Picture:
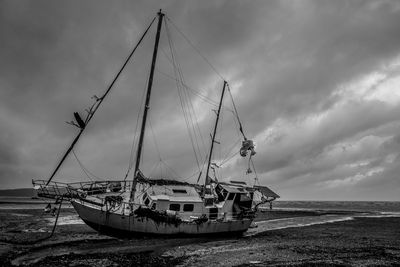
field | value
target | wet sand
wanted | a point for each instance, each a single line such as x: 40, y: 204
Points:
x: 360, y: 241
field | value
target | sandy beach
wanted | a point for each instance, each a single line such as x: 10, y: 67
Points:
x: 329, y: 238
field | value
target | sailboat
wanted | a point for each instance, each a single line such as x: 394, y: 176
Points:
x: 160, y: 206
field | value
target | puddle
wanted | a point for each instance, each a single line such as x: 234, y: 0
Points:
x: 65, y: 220
x: 263, y: 226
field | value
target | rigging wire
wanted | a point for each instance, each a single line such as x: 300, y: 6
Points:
x: 193, y: 91
x: 208, y: 62
x: 202, y: 168
x: 237, y: 126
x: 228, y: 159
x: 192, y: 110
x: 219, y: 133
x: 236, y: 121
x: 84, y: 169
x: 214, y: 104
x: 228, y: 155
x: 214, y: 69
x: 134, y: 140
x: 155, y: 140
x: 187, y: 106
x: 96, y: 105
x: 159, y: 154
x: 236, y: 113
x: 188, y: 102
x: 172, y: 170
x: 155, y: 166
x: 255, y: 172
x: 187, y: 113
x: 242, y: 132
x: 195, y: 48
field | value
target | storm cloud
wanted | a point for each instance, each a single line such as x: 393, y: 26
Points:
x: 316, y: 84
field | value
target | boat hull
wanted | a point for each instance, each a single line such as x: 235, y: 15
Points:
x: 129, y: 225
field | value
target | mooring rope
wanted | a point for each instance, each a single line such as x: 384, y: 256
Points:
x: 52, y: 231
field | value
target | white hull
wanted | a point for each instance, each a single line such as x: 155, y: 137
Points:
x: 117, y: 223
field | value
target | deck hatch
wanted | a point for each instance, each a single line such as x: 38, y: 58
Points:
x: 179, y: 191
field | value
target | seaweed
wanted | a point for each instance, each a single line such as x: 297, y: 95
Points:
x: 202, y: 219
x: 157, y: 216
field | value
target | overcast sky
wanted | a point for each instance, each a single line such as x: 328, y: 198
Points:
x: 316, y: 84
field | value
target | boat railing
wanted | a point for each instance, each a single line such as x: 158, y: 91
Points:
x: 53, y: 190
x: 56, y: 190
x: 106, y: 195
x: 100, y: 187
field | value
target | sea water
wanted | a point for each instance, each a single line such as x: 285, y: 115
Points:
x: 350, y: 209
x: 358, y: 206
x: 26, y: 203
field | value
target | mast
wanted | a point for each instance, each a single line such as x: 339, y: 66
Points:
x: 207, y: 180
x: 146, y: 106
x: 82, y: 125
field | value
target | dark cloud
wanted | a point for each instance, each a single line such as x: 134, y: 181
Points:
x: 321, y: 46
x: 314, y: 83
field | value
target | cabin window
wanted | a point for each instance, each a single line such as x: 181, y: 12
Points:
x: 147, y: 201
x: 179, y: 191
x: 144, y: 196
x: 188, y: 207
x: 175, y: 207
x: 231, y: 196
x: 153, y: 206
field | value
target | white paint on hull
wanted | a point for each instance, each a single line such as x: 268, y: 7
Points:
x: 131, y: 223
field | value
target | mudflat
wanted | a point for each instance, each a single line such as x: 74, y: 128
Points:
x: 362, y: 241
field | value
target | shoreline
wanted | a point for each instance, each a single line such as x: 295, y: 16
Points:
x: 77, y: 244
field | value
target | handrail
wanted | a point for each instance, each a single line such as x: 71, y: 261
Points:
x: 68, y: 190
x: 87, y: 192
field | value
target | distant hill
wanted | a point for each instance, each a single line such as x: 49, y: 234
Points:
x: 20, y: 192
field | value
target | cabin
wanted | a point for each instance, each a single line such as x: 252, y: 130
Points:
x: 228, y: 201
x: 182, y: 200
x: 233, y: 200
